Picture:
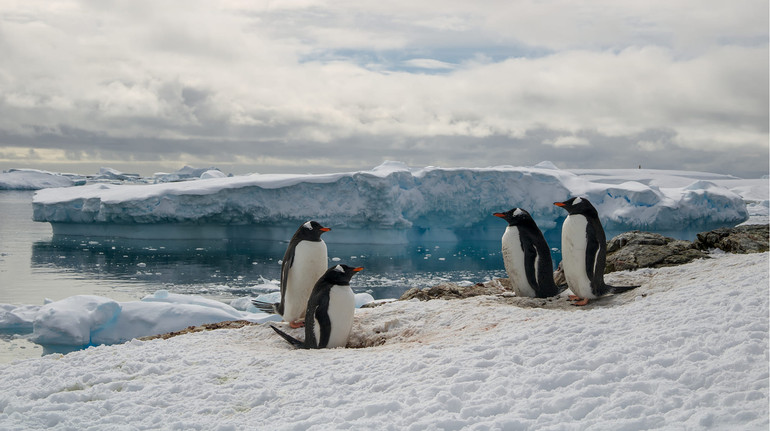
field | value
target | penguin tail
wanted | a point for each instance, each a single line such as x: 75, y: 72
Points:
x: 266, y: 307
x: 293, y: 341
x: 620, y: 289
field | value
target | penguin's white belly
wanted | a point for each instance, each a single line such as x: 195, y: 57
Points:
x: 310, y: 261
x: 342, y: 306
x: 573, y: 252
x: 513, y: 258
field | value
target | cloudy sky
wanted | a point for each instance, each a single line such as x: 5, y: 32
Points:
x: 319, y: 86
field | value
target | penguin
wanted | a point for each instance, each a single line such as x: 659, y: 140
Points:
x: 526, y: 256
x: 303, y: 264
x: 330, y: 309
x: 584, y: 252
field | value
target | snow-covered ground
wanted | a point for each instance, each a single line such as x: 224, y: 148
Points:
x: 686, y: 350
x: 393, y: 203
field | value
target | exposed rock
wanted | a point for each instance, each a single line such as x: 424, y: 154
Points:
x: 740, y: 239
x: 558, y: 276
x: 229, y: 324
x: 455, y: 291
x: 635, y: 249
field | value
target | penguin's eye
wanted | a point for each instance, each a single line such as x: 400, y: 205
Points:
x: 308, y: 226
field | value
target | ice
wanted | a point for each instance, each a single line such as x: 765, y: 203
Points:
x: 86, y: 320
x: 393, y: 203
x: 687, y: 349
x: 188, y: 173
x: 32, y: 179
x: 114, y: 174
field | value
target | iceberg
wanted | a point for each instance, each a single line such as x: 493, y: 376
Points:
x: 33, y: 179
x: 188, y: 173
x: 391, y: 203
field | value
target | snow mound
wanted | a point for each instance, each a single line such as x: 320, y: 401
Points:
x: 86, y: 320
x: 686, y: 350
x: 390, y: 203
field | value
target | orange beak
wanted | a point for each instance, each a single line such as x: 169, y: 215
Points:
x: 325, y: 229
x: 559, y: 204
x: 501, y: 215
x: 360, y: 268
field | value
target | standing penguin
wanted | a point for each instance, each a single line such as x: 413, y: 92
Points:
x: 303, y: 264
x: 584, y: 252
x: 330, y: 310
x: 526, y: 256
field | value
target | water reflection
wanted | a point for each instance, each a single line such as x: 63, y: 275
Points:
x: 233, y: 267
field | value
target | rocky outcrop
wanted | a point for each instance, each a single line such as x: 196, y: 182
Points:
x: 740, y: 239
x: 455, y: 291
x: 635, y: 249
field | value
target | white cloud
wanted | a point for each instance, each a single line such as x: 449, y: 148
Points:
x: 567, y: 141
x: 305, y: 72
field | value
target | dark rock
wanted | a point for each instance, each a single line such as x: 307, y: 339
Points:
x: 455, y: 291
x: 635, y: 249
x: 740, y: 239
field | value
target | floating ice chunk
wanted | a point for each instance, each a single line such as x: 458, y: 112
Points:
x: 363, y: 299
x: 71, y: 321
x: 213, y: 173
x: 17, y: 317
x: 31, y: 179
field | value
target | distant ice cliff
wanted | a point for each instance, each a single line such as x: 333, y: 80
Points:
x: 390, y: 203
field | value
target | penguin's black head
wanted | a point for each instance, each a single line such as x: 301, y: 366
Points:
x: 311, y: 231
x: 578, y: 205
x: 340, y: 275
x: 515, y: 217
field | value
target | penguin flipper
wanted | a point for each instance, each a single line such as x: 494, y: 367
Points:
x: 266, y: 307
x: 288, y: 261
x: 293, y: 341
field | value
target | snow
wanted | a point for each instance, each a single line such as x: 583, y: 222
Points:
x: 686, y: 350
x: 86, y: 320
x: 393, y: 203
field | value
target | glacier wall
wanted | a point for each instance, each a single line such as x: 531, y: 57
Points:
x: 391, y: 203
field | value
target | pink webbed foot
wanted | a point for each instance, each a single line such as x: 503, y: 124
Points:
x: 580, y: 302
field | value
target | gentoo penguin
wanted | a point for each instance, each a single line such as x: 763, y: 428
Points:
x: 303, y: 264
x: 526, y: 256
x: 330, y: 310
x: 584, y: 251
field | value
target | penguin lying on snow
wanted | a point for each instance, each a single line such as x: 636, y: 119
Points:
x: 303, y: 264
x: 584, y: 252
x: 330, y: 310
x: 526, y: 256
